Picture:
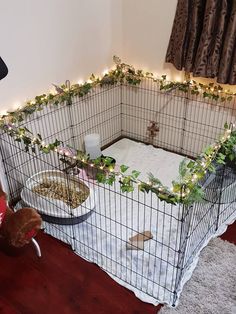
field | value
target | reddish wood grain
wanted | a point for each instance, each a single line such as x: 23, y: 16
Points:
x: 62, y: 282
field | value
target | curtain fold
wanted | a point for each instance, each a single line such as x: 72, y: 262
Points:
x: 3, y: 69
x: 203, y: 39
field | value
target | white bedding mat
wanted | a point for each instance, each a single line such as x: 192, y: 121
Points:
x: 103, y: 236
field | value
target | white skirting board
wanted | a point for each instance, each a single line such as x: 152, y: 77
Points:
x: 103, y: 236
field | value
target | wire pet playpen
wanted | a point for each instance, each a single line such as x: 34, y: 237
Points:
x: 147, y: 129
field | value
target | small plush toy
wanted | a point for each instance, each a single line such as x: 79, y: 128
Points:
x: 18, y: 228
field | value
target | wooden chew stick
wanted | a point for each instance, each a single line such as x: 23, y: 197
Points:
x: 142, y: 236
x: 135, y: 245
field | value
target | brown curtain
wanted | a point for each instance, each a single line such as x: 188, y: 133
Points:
x: 203, y: 39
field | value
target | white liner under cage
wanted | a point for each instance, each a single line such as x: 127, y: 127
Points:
x: 102, y: 238
x: 56, y: 208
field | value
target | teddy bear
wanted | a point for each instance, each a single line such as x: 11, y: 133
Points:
x: 18, y: 228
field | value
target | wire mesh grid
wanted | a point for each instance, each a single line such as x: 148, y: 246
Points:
x: 98, y: 220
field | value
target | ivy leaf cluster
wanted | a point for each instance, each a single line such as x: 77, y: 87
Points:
x: 127, y: 182
x: 185, y: 190
x: 227, y: 152
x: 211, y: 91
x: 122, y: 74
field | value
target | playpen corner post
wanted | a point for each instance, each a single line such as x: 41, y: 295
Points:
x: 4, y: 181
x: 121, y: 108
x: 219, y: 199
x: 185, y: 221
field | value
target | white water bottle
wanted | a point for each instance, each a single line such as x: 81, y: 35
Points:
x: 92, y: 145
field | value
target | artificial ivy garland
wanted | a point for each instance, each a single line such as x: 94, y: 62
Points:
x: 186, y: 190
x: 122, y: 74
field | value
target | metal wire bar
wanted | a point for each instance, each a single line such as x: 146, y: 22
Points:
x: 100, y: 227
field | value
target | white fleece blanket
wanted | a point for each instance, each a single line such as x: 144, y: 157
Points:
x: 102, y: 238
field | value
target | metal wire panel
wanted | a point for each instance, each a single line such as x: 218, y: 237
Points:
x: 98, y: 229
x: 187, y: 122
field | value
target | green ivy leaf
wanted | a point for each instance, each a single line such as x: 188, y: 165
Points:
x: 143, y: 187
x: 127, y: 188
x: 101, y: 177
x: 135, y: 174
x: 153, y: 180
x: 46, y: 150
x: 182, y: 168
x: 226, y: 126
x: 108, y: 161
x: 211, y: 168
x: 190, y: 164
x: 123, y: 168
x: 111, y: 179
x: 26, y: 140
x: 176, y: 187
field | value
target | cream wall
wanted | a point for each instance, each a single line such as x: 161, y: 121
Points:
x: 146, y: 31
x: 49, y: 41
x: 147, y: 26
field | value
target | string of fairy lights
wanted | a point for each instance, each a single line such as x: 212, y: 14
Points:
x: 122, y: 73
x: 11, y: 123
x: 204, y: 160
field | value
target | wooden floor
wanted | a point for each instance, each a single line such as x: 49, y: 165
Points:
x: 61, y: 282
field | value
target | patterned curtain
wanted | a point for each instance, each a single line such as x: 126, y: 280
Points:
x: 3, y: 69
x: 203, y: 39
